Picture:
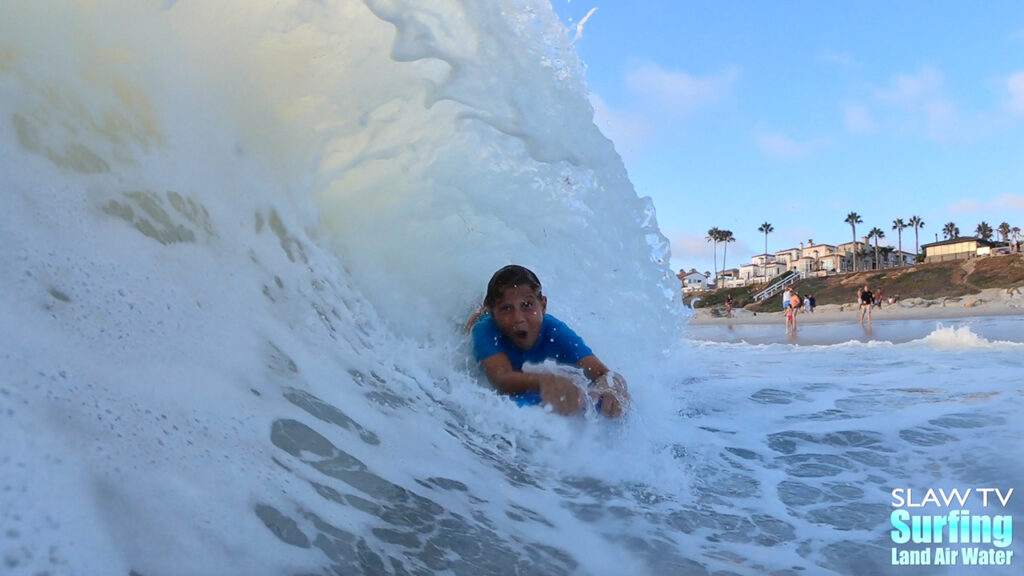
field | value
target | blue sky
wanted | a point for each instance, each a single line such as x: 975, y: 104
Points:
x: 797, y: 113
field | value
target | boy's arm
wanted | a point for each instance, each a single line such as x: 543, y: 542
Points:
x: 558, y: 392
x: 508, y: 380
x: 592, y: 367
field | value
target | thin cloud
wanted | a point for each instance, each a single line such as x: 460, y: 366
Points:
x: 917, y: 103
x: 859, y: 120
x: 1010, y: 202
x: 631, y: 133
x: 1015, y: 88
x: 912, y: 90
x: 843, y: 60
x: 967, y: 206
x: 941, y: 120
x: 1000, y: 205
x: 779, y: 145
x: 694, y: 251
x: 680, y: 91
x: 691, y: 250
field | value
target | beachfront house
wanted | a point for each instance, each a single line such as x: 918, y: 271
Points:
x: 888, y: 257
x: 805, y: 265
x: 730, y: 278
x: 693, y: 281
x: 817, y: 259
x: 807, y: 259
x: 893, y: 258
x: 817, y: 251
x: 990, y: 250
x: 762, y: 268
x: 812, y: 259
x: 834, y: 263
x: 861, y: 248
x: 956, y: 249
x: 787, y: 258
x: 751, y: 273
x: 897, y: 258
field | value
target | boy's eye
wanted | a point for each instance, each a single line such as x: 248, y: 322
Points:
x: 527, y: 303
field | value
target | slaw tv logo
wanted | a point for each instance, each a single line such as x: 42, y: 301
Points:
x: 974, y: 529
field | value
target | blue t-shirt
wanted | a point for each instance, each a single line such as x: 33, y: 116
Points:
x: 556, y: 342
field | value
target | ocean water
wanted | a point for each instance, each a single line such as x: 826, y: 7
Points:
x: 240, y: 241
x: 888, y: 330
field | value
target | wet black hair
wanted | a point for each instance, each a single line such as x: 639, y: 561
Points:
x: 508, y: 277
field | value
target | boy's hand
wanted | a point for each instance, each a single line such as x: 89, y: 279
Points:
x: 561, y: 394
x: 610, y: 390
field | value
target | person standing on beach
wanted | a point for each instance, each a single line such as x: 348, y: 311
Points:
x: 786, y: 296
x: 728, y: 306
x: 791, y: 310
x: 867, y: 300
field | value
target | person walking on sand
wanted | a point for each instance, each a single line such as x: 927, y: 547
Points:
x: 728, y: 306
x: 791, y: 310
x: 867, y: 300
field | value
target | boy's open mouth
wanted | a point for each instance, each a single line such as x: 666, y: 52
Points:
x: 521, y: 334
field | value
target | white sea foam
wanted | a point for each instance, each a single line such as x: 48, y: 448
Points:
x: 240, y: 240
x: 962, y: 337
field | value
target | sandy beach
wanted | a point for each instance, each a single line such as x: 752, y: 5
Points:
x: 995, y: 314
x: 992, y: 302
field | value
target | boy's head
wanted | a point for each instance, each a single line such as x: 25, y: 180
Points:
x: 510, y: 276
x: 515, y: 302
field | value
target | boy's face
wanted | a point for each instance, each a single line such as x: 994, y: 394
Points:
x: 519, y: 314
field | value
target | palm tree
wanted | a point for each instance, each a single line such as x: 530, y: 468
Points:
x: 725, y: 237
x: 876, y: 233
x: 1004, y: 231
x: 898, y: 225
x: 950, y: 230
x: 713, y: 235
x: 983, y: 231
x: 853, y: 219
x: 766, y: 228
x: 916, y: 223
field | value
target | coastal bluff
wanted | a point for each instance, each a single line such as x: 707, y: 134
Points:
x: 952, y: 281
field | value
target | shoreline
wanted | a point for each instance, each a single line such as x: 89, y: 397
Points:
x: 991, y: 302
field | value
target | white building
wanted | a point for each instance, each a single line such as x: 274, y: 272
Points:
x: 693, y: 281
x: 762, y: 268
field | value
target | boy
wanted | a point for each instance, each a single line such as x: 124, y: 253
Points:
x: 512, y: 328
